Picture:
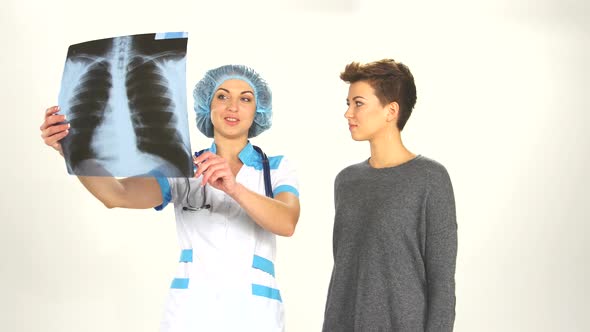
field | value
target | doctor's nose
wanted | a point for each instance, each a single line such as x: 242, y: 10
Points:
x: 232, y: 105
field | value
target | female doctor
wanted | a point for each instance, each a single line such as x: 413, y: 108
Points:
x: 226, y: 224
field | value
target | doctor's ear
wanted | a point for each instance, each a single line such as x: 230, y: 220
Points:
x: 392, y: 111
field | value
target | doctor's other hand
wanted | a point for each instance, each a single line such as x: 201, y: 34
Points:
x: 53, y: 129
x: 216, y: 171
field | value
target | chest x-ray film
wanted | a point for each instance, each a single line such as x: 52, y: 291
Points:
x: 125, y: 100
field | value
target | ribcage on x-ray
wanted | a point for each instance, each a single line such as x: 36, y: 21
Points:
x: 87, y: 110
x: 125, y: 99
x: 152, y: 112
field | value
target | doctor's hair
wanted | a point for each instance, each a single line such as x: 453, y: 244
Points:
x: 392, y: 82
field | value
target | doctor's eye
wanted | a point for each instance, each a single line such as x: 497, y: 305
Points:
x: 222, y: 96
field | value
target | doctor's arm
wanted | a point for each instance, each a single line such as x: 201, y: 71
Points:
x: 134, y: 193
x: 278, y: 215
x: 131, y: 193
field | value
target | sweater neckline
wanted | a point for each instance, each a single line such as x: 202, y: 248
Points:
x: 402, y: 165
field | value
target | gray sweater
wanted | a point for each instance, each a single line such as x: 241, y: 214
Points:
x: 395, y: 247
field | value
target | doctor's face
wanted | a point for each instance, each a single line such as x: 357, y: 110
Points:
x: 367, y: 117
x: 233, y: 108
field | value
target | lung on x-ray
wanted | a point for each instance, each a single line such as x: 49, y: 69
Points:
x: 125, y: 100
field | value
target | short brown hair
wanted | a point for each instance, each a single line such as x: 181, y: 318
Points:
x: 392, y: 82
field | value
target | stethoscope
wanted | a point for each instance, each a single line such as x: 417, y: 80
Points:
x: 207, y: 206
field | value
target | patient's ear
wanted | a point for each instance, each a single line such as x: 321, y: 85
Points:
x: 392, y: 111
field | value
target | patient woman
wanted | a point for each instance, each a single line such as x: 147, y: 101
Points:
x: 395, y: 234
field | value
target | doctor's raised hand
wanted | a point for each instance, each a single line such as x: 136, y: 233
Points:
x: 53, y: 128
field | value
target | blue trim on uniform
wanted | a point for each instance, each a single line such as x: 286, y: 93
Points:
x: 264, y: 264
x: 250, y: 157
x: 285, y: 188
x: 179, y: 283
x: 265, y: 291
x: 164, y: 189
x: 275, y: 161
x: 213, y: 148
x: 186, y: 256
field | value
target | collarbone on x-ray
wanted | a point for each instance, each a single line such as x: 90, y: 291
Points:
x: 125, y: 99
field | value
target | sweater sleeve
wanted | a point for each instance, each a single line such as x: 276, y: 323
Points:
x: 441, y: 252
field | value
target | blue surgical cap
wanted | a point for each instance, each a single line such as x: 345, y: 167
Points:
x: 206, y: 87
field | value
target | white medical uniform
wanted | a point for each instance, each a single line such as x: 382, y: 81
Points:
x: 225, y: 278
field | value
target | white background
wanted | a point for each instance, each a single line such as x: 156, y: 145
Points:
x: 501, y: 103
